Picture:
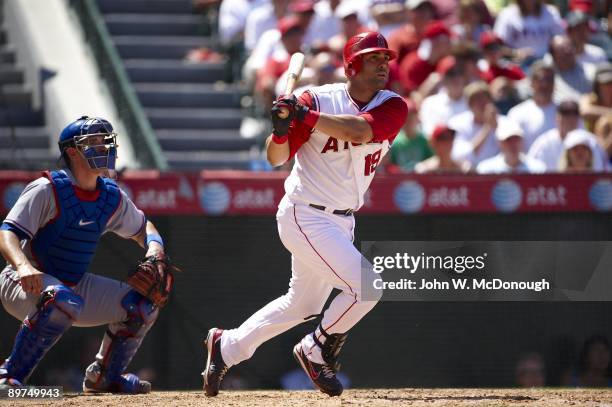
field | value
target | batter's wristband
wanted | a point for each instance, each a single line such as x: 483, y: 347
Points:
x: 280, y: 139
x: 311, y: 118
x: 154, y: 238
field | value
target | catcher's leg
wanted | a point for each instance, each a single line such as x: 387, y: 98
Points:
x: 57, y: 309
x: 129, y: 316
x: 119, y: 345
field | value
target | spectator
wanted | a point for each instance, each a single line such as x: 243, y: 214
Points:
x: 325, y: 24
x: 505, y: 95
x: 511, y: 158
x: 262, y: 19
x: 603, y: 132
x: 232, y: 19
x: 471, y: 21
x: 468, y: 56
x: 577, y: 153
x: 493, y: 64
x: 601, y: 28
x: 410, y: 146
x: 495, y: 6
x: 527, y: 27
x: 571, y: 81
x: 599, y: 102
x: 475, y: 139
x: 348, y: 12
x: 320, y: 70
x: 270, y: 45
x: 304, y: 10
x: 578, y: 31
x: 406, y: 39
x: 419, y: 64
x: 389, y: 15
x: 537, y: 114
x: 549, y: 146
x: 449, y: 101
x: 442, y: 139
x: 530, y: 371
x: 292, y: 35
x: 594, y: 363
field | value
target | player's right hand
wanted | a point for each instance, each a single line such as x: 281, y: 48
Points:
x: 30, y: 278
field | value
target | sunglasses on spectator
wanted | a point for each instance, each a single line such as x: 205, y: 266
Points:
x: 448, y: 136
x: 569, y: 112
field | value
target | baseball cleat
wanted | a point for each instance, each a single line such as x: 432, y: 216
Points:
x: 7, y: 382
x: 323, y: 376
x: 128, y: 383
x: 215, y: 366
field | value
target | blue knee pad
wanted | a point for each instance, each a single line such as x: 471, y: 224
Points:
x: 57, y: 309
x: 122, y: 342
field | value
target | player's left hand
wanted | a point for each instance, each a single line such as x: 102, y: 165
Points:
x: 154, y: 278
x: 281, y: 125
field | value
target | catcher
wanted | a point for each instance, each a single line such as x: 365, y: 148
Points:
x: 48, y: 240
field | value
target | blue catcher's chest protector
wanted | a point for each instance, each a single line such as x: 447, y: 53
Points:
x: 65, y: 246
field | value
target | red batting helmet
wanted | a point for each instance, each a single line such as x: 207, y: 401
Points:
x: 362, y: 44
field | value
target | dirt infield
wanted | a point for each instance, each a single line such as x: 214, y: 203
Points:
x: 370, y: 398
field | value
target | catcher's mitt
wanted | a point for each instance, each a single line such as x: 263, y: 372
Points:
x: 153, y: 278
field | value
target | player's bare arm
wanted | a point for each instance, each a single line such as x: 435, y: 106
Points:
x: 10, y: 247
x: 276, y: 153
x: 150, y: 238
x: 345, y: 127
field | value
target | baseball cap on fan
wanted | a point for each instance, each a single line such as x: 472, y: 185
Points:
x: 289, y: 24
x: 585, y: 6
x: 435, y: 29
x: 442, y: 131
x: 302, y: 6
x: 507, y: 129
x: 489, y: 39
x: 577, y: 137
x: 603, y: 74
x: 347, y: 8
x: 412, y: 4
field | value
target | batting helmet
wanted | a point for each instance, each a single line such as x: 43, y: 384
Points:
x: 94, y: 138
x: 362, y: 44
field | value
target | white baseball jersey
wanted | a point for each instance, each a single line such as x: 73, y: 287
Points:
x: 334, y: 174
x: 331, y: 172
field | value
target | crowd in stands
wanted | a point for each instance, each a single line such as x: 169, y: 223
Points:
x: 493, y: 86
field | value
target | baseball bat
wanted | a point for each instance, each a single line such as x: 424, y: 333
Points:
x: 296, y: 65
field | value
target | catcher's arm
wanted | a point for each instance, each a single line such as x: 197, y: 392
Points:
x: 148, y: 238
x: 153, y: 276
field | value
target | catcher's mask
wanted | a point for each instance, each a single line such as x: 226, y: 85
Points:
x: 94, y: 138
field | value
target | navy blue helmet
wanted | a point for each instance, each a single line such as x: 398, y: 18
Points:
x: 94, y: 138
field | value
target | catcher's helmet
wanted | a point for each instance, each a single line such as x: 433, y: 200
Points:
x: 361, y: 44
x: 94, y: 138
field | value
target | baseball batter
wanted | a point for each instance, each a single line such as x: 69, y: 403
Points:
x: 49, y: 238
x: 338, y: 134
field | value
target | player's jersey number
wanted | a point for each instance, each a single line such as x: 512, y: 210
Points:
x: 371, y: 162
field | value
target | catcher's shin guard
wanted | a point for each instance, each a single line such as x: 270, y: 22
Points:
x: 120, y: 344
x: 57, y: 309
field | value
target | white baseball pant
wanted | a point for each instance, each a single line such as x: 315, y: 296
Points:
x: 322, y: 257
